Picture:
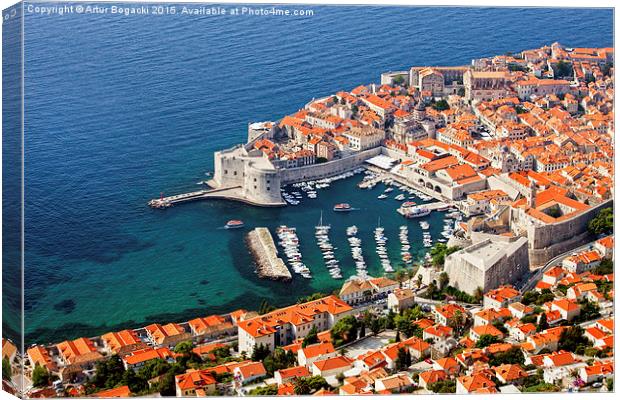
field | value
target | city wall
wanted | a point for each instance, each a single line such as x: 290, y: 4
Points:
x: 548, y: 241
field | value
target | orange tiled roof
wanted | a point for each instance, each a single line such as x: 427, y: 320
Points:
x: 296, y: 315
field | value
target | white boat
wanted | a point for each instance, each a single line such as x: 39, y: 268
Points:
x: 400, y: 197
x: 382, y: 196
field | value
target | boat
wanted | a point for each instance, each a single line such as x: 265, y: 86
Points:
x: 409, y: 204
x: 234, y: 224
x: 417, y: 212
x: 382, y: 196
x: 424, y: 225
x: 400, y: 197
x: 342, y: 207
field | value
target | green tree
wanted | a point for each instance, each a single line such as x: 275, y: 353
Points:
x: 184, y: 348
x: 486, y: 340
x: 403, y: 359
x: 40, y: 376
x: 344, y: 331
x: 441, y: 105
x: 6, y: 369
x: 397, y: 338
x: 457, y: 322
x: 571, y: 338
x: 309, y: 385
x: 269, y: 390
x: 260, y: 352
x: 444, y: 279
x: 542, y: 323
x: 478, y: 294
x: 135, y: 383
x: 340, y: 377
x: 445, y: 386
x: 398, y: 80
x: 311, y: 338
x: 279, y: 359
x: 610, y: 384
x: 362, y: 330
x: 603, y: 223
x: 563, y: 69
x: 375, y: 326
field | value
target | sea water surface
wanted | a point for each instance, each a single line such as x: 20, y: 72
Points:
x: 121, y: 108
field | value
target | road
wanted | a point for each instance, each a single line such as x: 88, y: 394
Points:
x: 551, y: 263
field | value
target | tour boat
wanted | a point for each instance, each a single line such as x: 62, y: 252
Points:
x: 342, y: 207
x: 417, y: 212
x: 234, y: 223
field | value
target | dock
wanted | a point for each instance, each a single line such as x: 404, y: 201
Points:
x: 265, y: 254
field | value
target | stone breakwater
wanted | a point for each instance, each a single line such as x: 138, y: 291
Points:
x: 265, y: 254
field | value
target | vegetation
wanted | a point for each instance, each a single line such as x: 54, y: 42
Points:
x: 269, y: 390
x: 512, y: 356
x: 589, y: 311
x: 398, y: 80
x: 260, y: 352
x: 40, y: 376
x: 443, y: 387
x: 542, y: 387
x: 279, y: 359
x: 543, y: 324
x: 265, y: 307
x: 309, y: 385
x: 603, y: 223
x: 606, y: 267
x: 404, y: 322
x: 486, y: 340
x: 531, y: 297
x: 344, y: 331
x: 6, y: 369
x: 441, y: 105
x: 403, y: 360
x: 572, y: 338
x: 311, y: 338
x: 563, y: 69
x: 440, y: 251
x: 311, y: 297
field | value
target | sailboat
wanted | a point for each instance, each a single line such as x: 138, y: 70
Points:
x: 320, y: 225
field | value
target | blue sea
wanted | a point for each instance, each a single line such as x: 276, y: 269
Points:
x: 119, y: 108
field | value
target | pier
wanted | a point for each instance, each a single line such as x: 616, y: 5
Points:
x: 265, y: 253
x: 227, y: 193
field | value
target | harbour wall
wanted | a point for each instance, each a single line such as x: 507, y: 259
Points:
x: 325, y: 170
x: 265, y: 254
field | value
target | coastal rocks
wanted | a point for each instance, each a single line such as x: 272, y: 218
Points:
x: 265, y: 254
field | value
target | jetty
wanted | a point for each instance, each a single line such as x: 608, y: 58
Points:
x: 265, y: 254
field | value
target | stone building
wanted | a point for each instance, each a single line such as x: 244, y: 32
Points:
x: 485, y: 85
x: 488, y: 264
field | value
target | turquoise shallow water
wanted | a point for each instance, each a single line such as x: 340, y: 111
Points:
x: 120, y: 109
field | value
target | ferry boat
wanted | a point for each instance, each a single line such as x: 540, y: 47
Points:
x: 234, y: 224
x: 342, y: 207
x: 417, y: 212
